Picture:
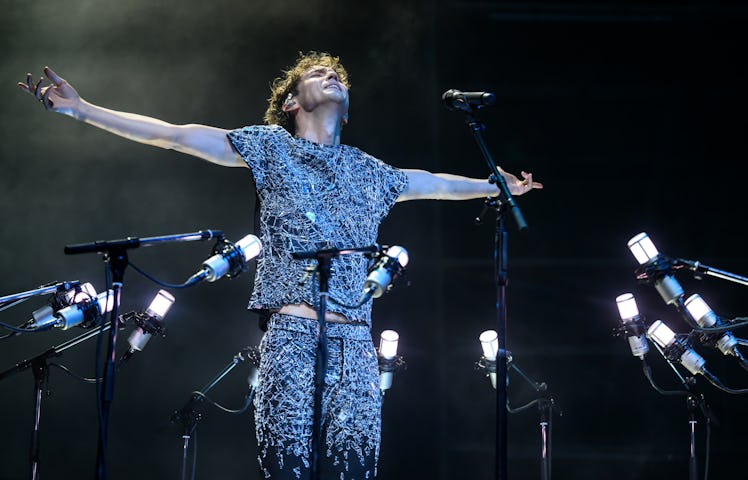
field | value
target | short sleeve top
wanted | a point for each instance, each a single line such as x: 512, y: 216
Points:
x: 313, y: 197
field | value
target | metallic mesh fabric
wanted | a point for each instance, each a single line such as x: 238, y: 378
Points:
x: 314, y: 197
x: 351, y: 402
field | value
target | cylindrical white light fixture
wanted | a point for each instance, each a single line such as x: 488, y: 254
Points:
x: 156, y: 311
x: 398, y: 253
x: 85, y: 292
x: 627, y: 306
x: 700, y: 311
x: 661, y: 333
x: 388, y: 344
x: 643, y: 248
x: 633, y: 325
x: 77, y: 313
x: 105, y: 301
x: 221, y: 263
x: 665, y: 338
x: 160, y: 304
x: 251, y: 246
x: 388, y: 341
x: 645, y: 251
x: 489, y: 342
x: 46, y: 316
x: 703, y: 315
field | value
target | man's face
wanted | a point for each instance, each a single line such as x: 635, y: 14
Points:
x: 321, y: 85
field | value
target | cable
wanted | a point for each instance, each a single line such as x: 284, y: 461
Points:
x: 715, y: 381
x: 722, y: 328
x: 247, y: 403
x: 648, y: 374
x: 740, y: 357
x: 73, y: 374
x: 192, y: 281
x: 13, y: 304
x: 523, y: 407
x: 18, y: 330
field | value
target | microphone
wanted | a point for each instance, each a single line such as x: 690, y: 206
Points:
x: 386, y: 271
x: 632, y: 325
x: 457, y: 100
x: 229, y: 259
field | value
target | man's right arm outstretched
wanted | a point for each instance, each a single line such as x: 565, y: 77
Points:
x: 202, y: 141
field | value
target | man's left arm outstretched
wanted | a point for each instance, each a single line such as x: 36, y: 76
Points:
x: 423, y: 185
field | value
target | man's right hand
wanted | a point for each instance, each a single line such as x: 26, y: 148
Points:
x: 58, y: 97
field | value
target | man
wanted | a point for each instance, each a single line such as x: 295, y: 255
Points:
x: 314, y: 193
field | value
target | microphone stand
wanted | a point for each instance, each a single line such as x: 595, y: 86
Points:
x: 40, y: 369
x: 505, y: 201
x: 324, y: 263
x: 115, y: 257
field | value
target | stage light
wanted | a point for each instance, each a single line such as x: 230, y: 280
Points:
x: 702, y: 314
x: 45, y: 317
x: 643, y: 248
x: 656, y: 268
x: 384, y: 273
x: 388, y: 358
x: 151, y: 321
x: 86, y: 313
x: 229, y: 259
x: 632, y: 324
x: 676, y: 349
x: 489, y: 341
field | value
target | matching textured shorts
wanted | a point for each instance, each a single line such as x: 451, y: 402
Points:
x: 284, y: 401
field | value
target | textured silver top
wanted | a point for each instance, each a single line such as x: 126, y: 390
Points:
x: 314, y: 197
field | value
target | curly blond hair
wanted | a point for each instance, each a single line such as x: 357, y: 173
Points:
x: 285, y: 84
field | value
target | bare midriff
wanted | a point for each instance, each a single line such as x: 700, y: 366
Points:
x: 305, y: 310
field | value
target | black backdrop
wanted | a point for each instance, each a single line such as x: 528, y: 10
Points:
x: 631, y: 114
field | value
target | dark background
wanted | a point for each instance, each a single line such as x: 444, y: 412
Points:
x: 631, y: 113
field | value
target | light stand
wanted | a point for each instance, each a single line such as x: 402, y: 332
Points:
x: 546, y: 404
x: 488, y: 363
x: 324, y: 263
x: 388, y: 359
x: 115, y: 258
x: 188, y: 416
x: 673, y: 351
x: 657, y: 270
x: 700, y: 269
x: 40, y: 369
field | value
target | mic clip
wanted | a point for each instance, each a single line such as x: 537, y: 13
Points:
x: 145, y: 322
